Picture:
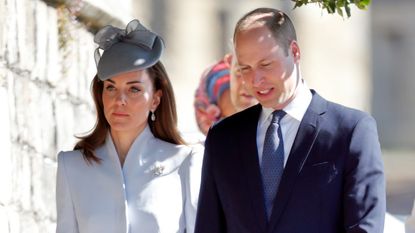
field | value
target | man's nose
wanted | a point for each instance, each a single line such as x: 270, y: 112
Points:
x: 258, y: 78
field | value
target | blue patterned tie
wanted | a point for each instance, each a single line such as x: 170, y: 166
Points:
x: 272, y: 164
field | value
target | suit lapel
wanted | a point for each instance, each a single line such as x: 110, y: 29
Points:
x: 248, y: 148
x: 304, y: 140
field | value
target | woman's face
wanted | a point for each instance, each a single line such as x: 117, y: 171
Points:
x: 240, y: 96
x: 128, y: 99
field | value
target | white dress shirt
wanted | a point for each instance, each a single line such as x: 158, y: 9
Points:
x: 155, y: 191
x: 289, y: 123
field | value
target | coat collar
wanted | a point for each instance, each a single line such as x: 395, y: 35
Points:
x: 133, y: 152
x: 251, y: 165
x: 304, y: 141
x: 306, y: 136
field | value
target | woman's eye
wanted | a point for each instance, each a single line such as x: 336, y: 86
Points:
x: 135, y: 89
x: 244, y: 69
x: 238, y: 73
x: 110, y: 88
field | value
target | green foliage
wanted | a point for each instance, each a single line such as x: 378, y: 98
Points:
x: 333, y: 6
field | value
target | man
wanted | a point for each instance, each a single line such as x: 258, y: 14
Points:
x: 295, y: 163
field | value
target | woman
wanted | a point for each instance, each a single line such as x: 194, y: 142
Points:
x: 132, y: 173
x: 240, y: 97
x: 410, y: 222
x: 221, y: 93
x: 212, y: 97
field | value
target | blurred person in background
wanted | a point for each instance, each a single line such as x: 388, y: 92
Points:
x: 220, y: 93
x: 240, y: 97
x: 212, y: 97
x: 132, y: 173
x: 410, y: 222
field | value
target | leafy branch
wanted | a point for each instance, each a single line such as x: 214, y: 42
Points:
x: 333, y: 6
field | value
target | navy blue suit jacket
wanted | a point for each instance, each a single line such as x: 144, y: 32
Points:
x: 333, y: 180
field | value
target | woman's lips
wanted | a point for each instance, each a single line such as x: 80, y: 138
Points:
x: 120, y: 114
x: 247, y: 96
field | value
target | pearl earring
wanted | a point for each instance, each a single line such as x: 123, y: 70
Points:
x: 153, y: 116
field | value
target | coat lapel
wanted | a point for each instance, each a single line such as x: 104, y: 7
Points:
x: 304, y: 140
x: 251, y: 166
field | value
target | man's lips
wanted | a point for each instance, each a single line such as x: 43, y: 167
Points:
x: 264, y: 92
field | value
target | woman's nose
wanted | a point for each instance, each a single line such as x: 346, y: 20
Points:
x: 121, y: 98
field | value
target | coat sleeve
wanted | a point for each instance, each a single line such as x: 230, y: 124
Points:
x: 210, y: 216
x: 364, y: 197
x: 66, y: 221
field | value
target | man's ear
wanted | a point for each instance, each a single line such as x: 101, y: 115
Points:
x: 295, y: 51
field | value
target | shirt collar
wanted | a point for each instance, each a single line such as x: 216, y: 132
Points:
x: 295, y: 109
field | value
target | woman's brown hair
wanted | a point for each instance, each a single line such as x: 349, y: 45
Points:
x: 164, y: 127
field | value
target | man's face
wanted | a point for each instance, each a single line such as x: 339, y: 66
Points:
x: 270, y: 74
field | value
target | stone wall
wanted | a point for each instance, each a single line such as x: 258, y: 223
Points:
x: 45, y: 72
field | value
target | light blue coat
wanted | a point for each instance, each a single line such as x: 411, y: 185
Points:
x: 155, y: 191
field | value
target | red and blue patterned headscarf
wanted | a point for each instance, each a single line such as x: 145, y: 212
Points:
x: 214, y: 82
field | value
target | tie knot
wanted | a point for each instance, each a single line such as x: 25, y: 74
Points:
x: 277, y: 115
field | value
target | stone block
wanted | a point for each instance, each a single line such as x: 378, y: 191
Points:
x: 87, y: 48
x: 47, y: 226
x: 3, y: 30
x: 4, y: 219
x: 78, y: 66
x: 13, y: 216
x: 65, y: 124
x: 28, y: 123
x: 45, y: 112
x: 71, y: 121
x: 87, y: 67
x: 21, y: 33
x: 26, y: 34
x: 41, y: 41
x: 85, y: 117
x: 35, y: 124
x: 28, y: 223
x: 53, y: 59
x: 9, y: 83
x: 5, y: 145
x: 21, y: 177
x: 10, y: 29
x: 70, y: 75
x: 43, y: 187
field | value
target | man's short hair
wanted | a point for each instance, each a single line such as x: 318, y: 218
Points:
x: 279, y: 24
